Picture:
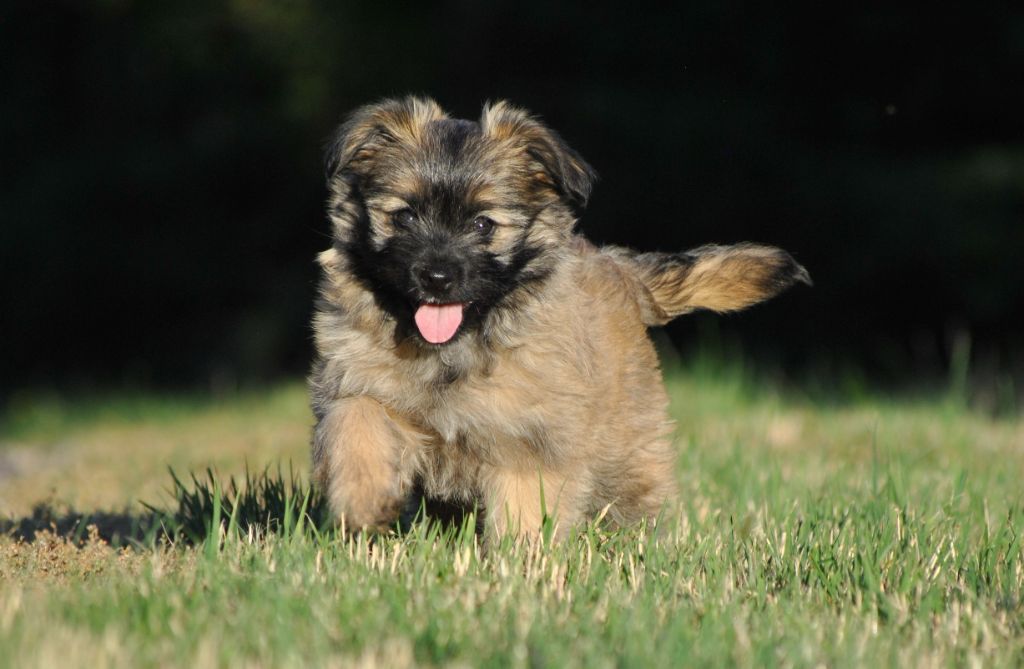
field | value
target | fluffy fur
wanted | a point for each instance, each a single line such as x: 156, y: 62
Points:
x: 548, y: 399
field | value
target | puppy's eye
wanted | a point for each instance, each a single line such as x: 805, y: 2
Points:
x: 483, y: 225
x: 404, y: 218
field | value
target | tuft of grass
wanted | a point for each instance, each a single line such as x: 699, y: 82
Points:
x: 262, y: 504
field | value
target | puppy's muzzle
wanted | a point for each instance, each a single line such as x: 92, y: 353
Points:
x: 437, y: 278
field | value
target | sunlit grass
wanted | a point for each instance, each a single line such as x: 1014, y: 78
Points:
x: 812, y: 532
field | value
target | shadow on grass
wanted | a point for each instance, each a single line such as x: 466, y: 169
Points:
x: 117, y: 529
x: 259, y: 505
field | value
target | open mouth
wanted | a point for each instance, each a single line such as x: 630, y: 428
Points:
x: 438, y: 323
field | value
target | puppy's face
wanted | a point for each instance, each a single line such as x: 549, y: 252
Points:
x: 444, y: 219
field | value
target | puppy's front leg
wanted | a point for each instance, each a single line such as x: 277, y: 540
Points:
x: 362, y: 461
x: 517, y: 501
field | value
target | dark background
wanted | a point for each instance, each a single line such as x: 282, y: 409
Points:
x: 162, y: 195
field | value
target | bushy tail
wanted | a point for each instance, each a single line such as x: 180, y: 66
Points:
x: 719, y: 278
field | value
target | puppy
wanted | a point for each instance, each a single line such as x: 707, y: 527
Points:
x: 471, y: 346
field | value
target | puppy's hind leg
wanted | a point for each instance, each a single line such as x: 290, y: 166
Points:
x: 517, y: 502
x: 363, y: 462
x: 644, y: 487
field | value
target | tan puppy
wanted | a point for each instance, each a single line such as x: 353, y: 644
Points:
x: 471, y: 346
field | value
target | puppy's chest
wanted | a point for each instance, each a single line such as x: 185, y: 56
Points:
x: 466, y: 403
x: 472, y: 411
x: 481, y: 411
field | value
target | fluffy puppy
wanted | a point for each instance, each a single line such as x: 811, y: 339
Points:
x: 471, y: 346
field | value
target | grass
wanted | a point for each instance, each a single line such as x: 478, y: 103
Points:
x: 813, y: 532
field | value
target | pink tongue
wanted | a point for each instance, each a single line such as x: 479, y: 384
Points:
x: 438, y: 322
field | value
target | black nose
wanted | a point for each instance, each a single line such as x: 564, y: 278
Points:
x: 435, y: 279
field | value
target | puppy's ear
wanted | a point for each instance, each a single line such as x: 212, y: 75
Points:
x: 554, y: 164
x: 370, y: 128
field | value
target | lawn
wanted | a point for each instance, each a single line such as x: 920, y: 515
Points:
x: 814, y: 530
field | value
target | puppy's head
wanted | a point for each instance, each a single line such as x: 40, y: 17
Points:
x: 444, y: 219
